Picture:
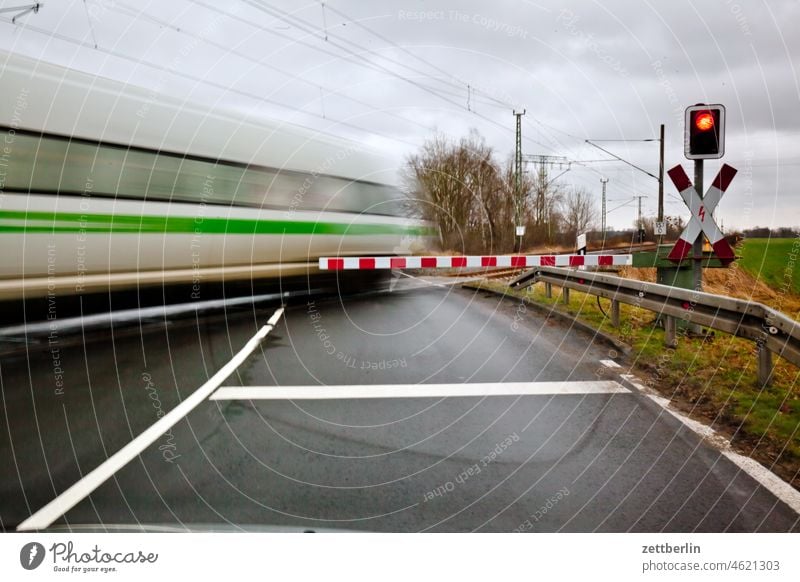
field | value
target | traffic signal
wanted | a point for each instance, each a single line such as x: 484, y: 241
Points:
x: 705, y: 132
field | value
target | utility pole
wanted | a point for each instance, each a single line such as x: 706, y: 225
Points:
x: 661, y: 175
x: 519, y: 228
x: 697, y: 247
x: 542, y: 162
x: 639, y: 224
x: 639, y: 221
x: 604, y: 181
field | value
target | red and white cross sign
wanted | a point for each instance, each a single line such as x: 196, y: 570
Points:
x: 701, y: 209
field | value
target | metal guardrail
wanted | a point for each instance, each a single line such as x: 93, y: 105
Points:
x: 772, y: 331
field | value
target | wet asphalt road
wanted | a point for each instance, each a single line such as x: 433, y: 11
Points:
x: 586, y: 462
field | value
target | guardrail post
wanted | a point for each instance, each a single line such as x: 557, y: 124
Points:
x: 615, y: 313
x: 565, y: 294
x: 548, y: 290
x: 764, y: 365
x: 669, y: 332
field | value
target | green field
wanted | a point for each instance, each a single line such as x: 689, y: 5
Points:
x: 774, y: 261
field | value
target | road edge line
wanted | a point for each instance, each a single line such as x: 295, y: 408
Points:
x: 76, y: 493
x: 762, y: 475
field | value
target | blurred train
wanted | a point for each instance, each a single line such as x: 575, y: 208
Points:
x: 106, y: 186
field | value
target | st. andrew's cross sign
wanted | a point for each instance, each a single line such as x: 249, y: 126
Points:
x: 701, y: 209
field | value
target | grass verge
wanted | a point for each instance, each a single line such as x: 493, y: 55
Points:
x: 771, y: 261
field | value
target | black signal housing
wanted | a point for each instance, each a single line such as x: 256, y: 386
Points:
x: 704, y: 132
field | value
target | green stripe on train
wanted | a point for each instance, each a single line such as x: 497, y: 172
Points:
x: 66, y: 222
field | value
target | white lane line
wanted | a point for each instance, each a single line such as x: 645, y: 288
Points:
x: 123, y: 316
x: 610, y: 364
x: 72, y: 496
x: 766, y: 478
x: 416, y: 390
x: 769, y: 480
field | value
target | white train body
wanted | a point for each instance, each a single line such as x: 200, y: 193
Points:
x: 105, y: 186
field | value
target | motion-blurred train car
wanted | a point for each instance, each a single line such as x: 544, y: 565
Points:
x: 105, y: 186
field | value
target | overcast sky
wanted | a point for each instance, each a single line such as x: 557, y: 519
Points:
x: 401, y: 70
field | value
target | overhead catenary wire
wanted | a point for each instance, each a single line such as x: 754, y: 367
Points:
x: 306, y: 27
x: 590, y: 142
x: 471, y: 91
x: 359, y: 59
x: 551, y: 128
x: 354, y: 57
x: 415, y: 56
x: 123, y: 8
x: 301, y: 42
x: 224, y: 88
x: 585, y: 163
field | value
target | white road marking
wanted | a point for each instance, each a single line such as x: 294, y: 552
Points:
x: 769, y: 480
x: 610, y: 364
x: 157, y: 313
x: 766, y: 478
x: 649, y: 392
x: 660, y: 400
x: 80, y: 490
x: 705, y: 431
x: 416, y: 390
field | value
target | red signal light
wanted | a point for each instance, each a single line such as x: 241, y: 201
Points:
x: 704, y: 131
x: 704, y: 121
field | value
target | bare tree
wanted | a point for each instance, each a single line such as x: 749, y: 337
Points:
x: 460, y: 188
x: 436, y: 176
x: 484, y: 183
x: 512, y: 205
x: 544, y: 200
x: 579, y: 212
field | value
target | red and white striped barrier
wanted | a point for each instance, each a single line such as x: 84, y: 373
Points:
x: 521, y: 261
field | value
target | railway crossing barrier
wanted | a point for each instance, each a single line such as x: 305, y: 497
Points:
x: 476, y: 261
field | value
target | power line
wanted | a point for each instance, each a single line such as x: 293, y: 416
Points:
x: 584, y: 163
x: 552, y: 128
x: 621, y: 206
x: 354, y: 57
x: 362, y: 63
x: 628, y: 140
x: 306, y: 27
x: 132, y: 12
x: 417, y: 57
x: 621, y: 159
x: 219, y: 86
